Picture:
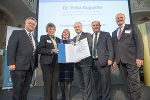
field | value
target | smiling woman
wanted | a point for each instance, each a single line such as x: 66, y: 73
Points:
x: 48, y: 61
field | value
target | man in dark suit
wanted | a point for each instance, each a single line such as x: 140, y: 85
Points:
x: 129, y: 52
x: 84, y: 66
x: 22, y: 59
x: 48, y: 61
x: 102, y: 54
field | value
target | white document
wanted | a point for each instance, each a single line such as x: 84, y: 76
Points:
x: 82, y: 49
x: 69, y: 53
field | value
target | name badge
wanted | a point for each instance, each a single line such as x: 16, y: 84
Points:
x: 128, y: 31
x: 49, y: 41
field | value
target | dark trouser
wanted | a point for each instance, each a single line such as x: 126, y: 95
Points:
x: 50, y: 78
x: 130, y: 74
x: 84, y: 79
x: 21, y: 83
x: 102, y: 81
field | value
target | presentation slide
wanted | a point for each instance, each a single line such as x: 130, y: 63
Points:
x: 64, y: 13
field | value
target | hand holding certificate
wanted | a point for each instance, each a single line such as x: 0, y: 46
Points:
x: 69, y: 53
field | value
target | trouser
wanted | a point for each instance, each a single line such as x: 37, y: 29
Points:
x: 21, y: 83
x: 50, y: 78
x: 130, y: 74
x: 102, y: 80
x: 84, y: 79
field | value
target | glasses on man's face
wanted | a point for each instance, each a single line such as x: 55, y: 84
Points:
x: 30, y: 23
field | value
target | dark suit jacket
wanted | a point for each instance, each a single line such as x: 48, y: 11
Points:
x: 87, y: 61
x: 104, y: 48
x: 45, y: 47
x: 129, y: 47
x: 19, y: 51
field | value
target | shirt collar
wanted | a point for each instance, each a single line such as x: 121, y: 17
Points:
x: 52, y: 37
x: 97, y: 33
x: 122, y: 26
x: 80, y: 34
x: 27, y: 31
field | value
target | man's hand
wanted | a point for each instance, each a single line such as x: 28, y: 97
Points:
x: 72, y: 42
x: 139, y: 62
x: 109, y: 62
x: 54, y: 50
x: 77, y: 61
x: 114, y: 64
x: 12, y: 67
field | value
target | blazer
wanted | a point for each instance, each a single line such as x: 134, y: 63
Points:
x: 87, y: 61
x: 45, y: 47
x: 104, y: 48
x: 19, y: 51
x: 129, y: 47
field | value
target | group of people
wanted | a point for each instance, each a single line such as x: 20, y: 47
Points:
x: 123, y: 49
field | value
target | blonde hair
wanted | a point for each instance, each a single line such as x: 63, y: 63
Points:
x: 65, y: 30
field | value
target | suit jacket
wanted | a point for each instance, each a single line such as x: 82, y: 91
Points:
x: 104, y: 48
x: 45, y: 47
x: 19, y: 51
x: 87, y: 61
x: 129, y: 47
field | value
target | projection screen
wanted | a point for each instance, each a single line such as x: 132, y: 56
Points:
x: 64, y: 13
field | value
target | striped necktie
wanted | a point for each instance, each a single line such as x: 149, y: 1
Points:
x: 30, y: 37
x: 95, y: 45
x: 78, y: 37
x: 120, y: 33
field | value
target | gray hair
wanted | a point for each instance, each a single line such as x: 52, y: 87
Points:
x: 32, y: 18
x: 50, y: 25
x: 96, y: 21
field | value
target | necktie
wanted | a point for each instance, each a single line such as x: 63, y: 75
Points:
x: 78, y: 37
x: 95, y: 45
x: 30, y: 37
x: 120, y: 33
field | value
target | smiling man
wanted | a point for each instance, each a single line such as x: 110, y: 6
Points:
x: 102, y: 54
x: 128, y: 55
x: 84, y: 66
x: 22, y: 59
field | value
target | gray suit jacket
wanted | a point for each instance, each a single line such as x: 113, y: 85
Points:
x: 129, y: 47
x: 19, y: 51
x: 87, y: 61
x: 104, y: 48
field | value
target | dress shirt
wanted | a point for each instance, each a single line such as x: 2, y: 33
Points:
x: 122, y: 27
x: 78, y: 37
x: 33, y: 41
x: 93, y: 43
x: 54, y: 41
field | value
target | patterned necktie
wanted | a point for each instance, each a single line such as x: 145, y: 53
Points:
x: 78, y: 37
x: 95, y: 45
x: 30, y: 37
x: 120, y: 33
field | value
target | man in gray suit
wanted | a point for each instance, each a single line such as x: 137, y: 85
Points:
x: 22, y: 59
x: 102, y: 53
x: 129, y: 52
x: 84, y: 66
